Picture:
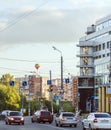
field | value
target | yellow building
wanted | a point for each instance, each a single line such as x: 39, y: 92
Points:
x: 104, y: 100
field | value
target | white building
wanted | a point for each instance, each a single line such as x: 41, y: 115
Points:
x: 94, y: 65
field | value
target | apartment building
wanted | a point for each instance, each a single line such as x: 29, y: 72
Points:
x: 95, y: 67
x: 35, y: 85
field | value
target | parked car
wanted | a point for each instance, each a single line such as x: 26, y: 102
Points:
x: 14, y: 117
x: 66, y: 118
x: 3, y: 114
x: 97, y: 120
x: 42, y: 116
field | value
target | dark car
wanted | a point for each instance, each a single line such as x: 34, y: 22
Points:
x: 42, y: 116
x: 14, y: 117
x: 3, y: 114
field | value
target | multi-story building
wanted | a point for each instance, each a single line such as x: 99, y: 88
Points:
x: 69, y: 91
x: 36, y: 86
x: 75, y: 94
x: 95, y: 66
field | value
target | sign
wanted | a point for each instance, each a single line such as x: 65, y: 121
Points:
x: 49, y: 82
x: 57, y: 102
x: 67, y: 80
x: 92, y: 97
x: 29, y: 99
x: 24, y: 83
x: 56, y: 97
x: 11, y: 83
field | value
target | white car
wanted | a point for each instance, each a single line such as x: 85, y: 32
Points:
x: 97, y: 120
x: 66, y: 118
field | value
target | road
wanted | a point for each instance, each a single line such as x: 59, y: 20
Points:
x: 35, y: 126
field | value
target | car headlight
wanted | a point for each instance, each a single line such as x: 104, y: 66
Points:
x: 10, y: 118
x: 22, y: 118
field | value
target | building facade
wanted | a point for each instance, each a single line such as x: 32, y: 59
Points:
x: 36, y: 86
x: 95, y: 66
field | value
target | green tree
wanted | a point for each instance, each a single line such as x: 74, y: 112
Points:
x: 7, y: 78
x: 67, y: 106
x: 9, y: 97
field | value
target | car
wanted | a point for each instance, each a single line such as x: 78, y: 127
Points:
x: 66, y: 118
x: 3, y: 114
x: 14, y: 117
x: 42, y: 116
x: 97, y: 120
x: 34, y: 116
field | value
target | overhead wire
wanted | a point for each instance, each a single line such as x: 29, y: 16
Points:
x: 2, y: 58
x: 22, y: 17
x: 16, y: 21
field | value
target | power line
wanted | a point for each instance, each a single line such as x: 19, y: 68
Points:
x: 27, y: 60
x: 22, y: 17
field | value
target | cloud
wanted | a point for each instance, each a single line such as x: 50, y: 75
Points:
x: 48, y: 25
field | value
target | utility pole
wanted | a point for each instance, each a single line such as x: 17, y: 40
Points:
x: 51, y: 94
x: 61, y: 90
x: 29, y: 83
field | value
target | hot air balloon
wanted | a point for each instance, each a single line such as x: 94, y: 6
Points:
x: 37, y: 66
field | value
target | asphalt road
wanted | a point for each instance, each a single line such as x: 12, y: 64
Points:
x: 36, y: 126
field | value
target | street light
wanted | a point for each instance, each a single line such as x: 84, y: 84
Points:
x: 61, y: 91
x: 61, y: 65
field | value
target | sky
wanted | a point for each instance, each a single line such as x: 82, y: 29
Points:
x: 30, y: 28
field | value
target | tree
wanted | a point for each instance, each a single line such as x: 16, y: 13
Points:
x: 9, y: 96
x: 67, y: 106
x: 5, y: 79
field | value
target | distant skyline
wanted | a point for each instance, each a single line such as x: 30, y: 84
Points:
x: 29, y: 29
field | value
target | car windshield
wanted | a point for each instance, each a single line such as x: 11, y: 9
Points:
x: 102, y: 115
x: 15, y: 114
x: 68, y: 114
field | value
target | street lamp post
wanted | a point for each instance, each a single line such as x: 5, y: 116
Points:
x: 61, y: 69
x: 61, y: 65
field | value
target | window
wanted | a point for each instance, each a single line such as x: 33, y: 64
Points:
x: 99, y: 47
x: 103, y: 55
x: 107, y: 44
x: 68, y: 114
x: 107, y: 54
x: 101, y: 115
x: 103, y: 46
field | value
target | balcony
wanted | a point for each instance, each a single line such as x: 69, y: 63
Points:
x: 85, y: 55
x: 86, y: 43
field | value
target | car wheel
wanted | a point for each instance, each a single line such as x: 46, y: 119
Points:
x: 56, y: 124
x: 75, y: 125
x: 83, y: 128
x: 6, y: 123
x: 90, y: 127
x: 60, y: 125
x: 32, y: 120
x: 50, y: 122
x: 70, y: 125
x: 38, y: 120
